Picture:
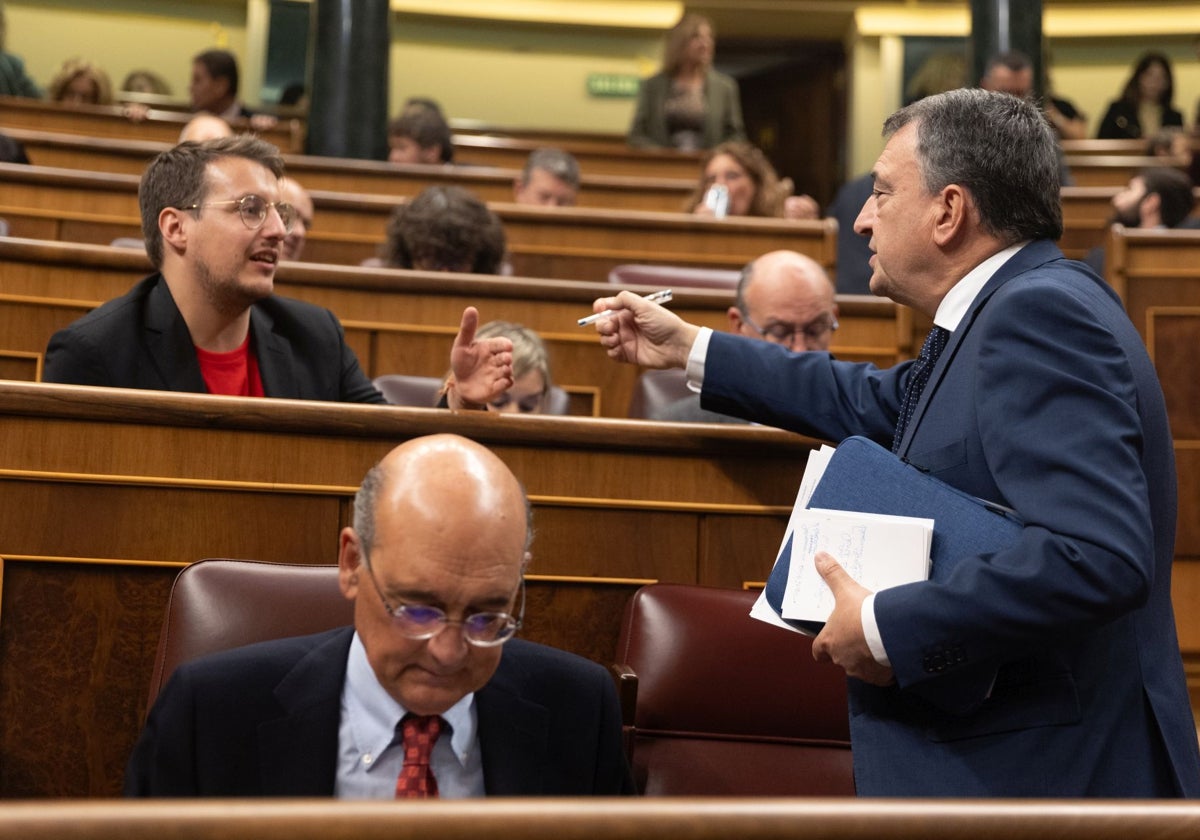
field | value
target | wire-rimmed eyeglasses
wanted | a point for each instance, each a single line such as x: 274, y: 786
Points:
x: 422, y: 621
x: 785, y: 334
x: 254, y: 208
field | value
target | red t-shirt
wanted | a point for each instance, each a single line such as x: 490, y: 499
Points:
x: 234, y: 373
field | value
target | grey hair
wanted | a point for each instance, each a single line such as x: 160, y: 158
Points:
x: 560, y: 164
x: 999, y: 148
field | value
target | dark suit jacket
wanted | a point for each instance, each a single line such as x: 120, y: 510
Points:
x: 722, y: 119
x: 263, y: 720
x: 1051, y: 668
x: 1121, y: 121
x: 140, y: 340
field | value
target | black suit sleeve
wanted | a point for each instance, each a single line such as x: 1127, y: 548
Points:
x: 72, y: 359
x: 354, y: 386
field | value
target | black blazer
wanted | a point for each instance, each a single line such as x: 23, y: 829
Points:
x: 263, y: 720
x: 1121, y: 121
x: 140, y: 340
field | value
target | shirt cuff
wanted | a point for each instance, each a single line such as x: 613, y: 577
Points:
x: 696, y: 358
x: 871, y: 631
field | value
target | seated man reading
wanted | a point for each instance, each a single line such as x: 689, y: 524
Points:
x: 428, y: 694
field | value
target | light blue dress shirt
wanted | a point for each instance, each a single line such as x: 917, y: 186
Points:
x: 371, y: 752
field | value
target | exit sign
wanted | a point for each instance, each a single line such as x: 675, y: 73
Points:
x: 613, y: 84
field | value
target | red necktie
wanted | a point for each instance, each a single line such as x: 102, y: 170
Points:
x: 420, y: 733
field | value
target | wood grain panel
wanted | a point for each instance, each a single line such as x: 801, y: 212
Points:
x: 130, y: 157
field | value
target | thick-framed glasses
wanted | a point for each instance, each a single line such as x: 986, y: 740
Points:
x: 422, y: 621
x: 785, y: 334
x: 253, y: 209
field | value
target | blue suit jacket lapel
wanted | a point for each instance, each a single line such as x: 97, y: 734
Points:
x: 1033, y: 254
x: 299, y: 750
x: 514, y: 736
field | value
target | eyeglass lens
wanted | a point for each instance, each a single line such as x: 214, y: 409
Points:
x: 420, y: 621
x: 253, y: 209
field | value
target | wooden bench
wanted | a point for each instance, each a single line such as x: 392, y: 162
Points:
x: 628, y: 818
x: 567, y: 243
x: 110, y: 121
x: 1113, y: 170
x: 399, y: 321
x: 130, y: 157
x: 597, y: 157
x: 105, y: 493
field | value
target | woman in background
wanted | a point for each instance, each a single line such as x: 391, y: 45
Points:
x: 80, y: 82
x: 531, y: 371
x: 752, y: 186
x: 1145, y: 104
x: 687, y: 105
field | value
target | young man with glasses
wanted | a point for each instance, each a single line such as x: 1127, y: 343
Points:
x: 783, y: 297
x: 215, y: 227
x: 434, y: 565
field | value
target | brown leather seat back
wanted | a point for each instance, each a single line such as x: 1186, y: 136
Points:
x: 727, y: 704
x: 220, y: 604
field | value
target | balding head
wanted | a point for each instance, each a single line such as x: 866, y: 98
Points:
x: 205, y: 127
x: 787, y: 298
x: 295, y: 195
x: 439, y: 522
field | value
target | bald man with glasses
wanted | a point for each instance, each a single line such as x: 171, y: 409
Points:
x: 429, y: 693
x: 215, y: 226
x: 782, y: 297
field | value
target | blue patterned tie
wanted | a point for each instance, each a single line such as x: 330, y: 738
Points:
x: 918, y: 376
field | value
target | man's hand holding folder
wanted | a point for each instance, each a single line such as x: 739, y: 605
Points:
x: 860, y: 476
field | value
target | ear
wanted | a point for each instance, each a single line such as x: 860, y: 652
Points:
x: 173, y: 226
x: 735, y: 319
x: 953, y: 214
x: 1150, y: 210
x: 349, y: 562
x: 525, y: 561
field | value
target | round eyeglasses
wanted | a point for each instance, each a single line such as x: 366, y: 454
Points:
x: 254, y: 208
x: 422, y: 621
x: 785, y: 334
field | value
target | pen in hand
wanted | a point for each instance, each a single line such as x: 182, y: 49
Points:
x: 654, y: 297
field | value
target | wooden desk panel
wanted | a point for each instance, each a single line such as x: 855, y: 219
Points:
x: 130, y: 157
x: 594, y: 157
x: 567, y: 243
x: 105, y: 493
x: 159, y: 126
x: 627, y: 818
x: 1090, y: 170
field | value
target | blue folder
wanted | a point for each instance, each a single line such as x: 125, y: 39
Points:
x: 863, y: 476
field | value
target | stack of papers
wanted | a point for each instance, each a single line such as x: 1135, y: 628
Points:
x: 877, y: 550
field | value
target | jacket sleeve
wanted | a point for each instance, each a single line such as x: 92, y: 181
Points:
x: 641, y: 132
x: 71, y: 359
x: 354, y: 386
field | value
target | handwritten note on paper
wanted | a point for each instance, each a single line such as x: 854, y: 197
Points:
x: 877, y: 551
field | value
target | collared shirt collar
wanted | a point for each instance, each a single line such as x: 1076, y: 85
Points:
x: 373, y: 714
x: 958, y: 300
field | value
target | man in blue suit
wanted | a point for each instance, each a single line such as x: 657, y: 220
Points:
x: 434, y: 565
x: 1051, y: 668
